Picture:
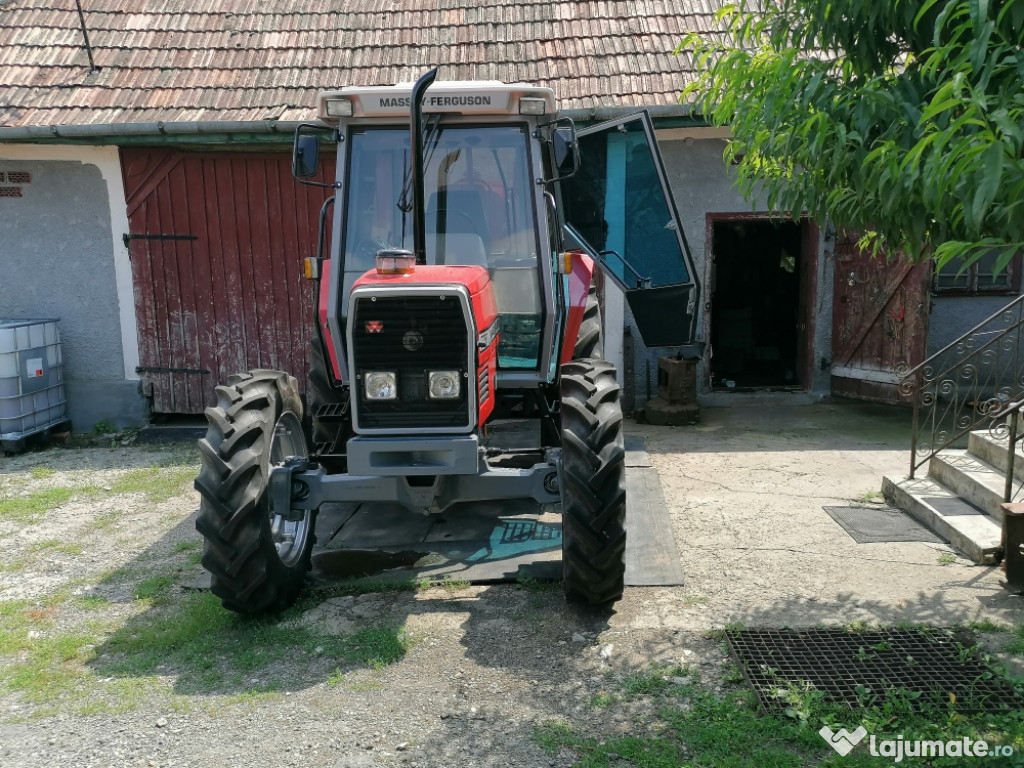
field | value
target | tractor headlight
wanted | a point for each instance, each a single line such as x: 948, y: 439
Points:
x: 380, y: 385
x: 444, y: 385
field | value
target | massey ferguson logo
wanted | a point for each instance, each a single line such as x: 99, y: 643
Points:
x: 374, y: 326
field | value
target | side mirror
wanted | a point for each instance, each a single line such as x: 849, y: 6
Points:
x: 305, y: 156
x: 563, y: 142
x: 565, y: 150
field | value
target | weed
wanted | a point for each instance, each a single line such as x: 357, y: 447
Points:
x: 946, y: 558
x: 870, y: 496
x: 103, y: 427
x: 645, y: 683
x: 187, y: 546
x: 987, y: 625
x: 1016, y: 646
x: 41, y: 473
x: 602, y: 700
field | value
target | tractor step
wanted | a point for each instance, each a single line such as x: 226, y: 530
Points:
x: 332, y: 412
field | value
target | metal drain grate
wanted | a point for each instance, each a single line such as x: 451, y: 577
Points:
x: 851, y: 666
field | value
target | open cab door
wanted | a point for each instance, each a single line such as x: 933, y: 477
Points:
x: 619, y: 208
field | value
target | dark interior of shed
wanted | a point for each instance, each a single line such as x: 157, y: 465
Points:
x: 755, y: 312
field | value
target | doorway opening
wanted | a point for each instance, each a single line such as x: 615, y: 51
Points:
x: 757, y: 315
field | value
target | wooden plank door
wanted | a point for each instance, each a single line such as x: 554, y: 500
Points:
x: 215, y: 243
x: 879, y: 321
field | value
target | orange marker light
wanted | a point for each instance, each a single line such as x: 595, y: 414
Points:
x: 311, y: 268
x: 395, y: 261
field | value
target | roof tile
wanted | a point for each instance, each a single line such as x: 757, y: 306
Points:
x: 173, y: 60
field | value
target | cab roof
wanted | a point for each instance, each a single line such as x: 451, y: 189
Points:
x: 475, y: 97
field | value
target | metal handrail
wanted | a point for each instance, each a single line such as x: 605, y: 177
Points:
x: 973, y: 380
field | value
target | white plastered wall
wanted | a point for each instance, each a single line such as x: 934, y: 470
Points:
x: 107, y: 160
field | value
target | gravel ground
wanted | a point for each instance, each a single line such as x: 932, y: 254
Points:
x: 479, y: 667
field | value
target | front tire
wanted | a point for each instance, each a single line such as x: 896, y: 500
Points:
x: 257, y: 560
x: 593, y: 483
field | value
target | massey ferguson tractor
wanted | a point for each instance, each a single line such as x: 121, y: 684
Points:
x: 467, y: 220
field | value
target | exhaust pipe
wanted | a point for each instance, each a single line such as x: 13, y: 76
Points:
x: 419, y: 229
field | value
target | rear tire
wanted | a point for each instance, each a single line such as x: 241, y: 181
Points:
x: 589, y: 341
x: 258, y: 561
x: 593, y: 483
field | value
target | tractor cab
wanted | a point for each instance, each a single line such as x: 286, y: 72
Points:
x: 508, y: 186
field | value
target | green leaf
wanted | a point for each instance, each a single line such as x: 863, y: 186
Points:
x: 986, y: 191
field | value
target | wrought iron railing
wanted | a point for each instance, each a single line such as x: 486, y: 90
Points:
x: 975, y: 382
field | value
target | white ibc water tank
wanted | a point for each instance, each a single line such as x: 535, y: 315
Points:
x: 31, y: 378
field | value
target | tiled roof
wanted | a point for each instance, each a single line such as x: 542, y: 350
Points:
x: 246, y: 60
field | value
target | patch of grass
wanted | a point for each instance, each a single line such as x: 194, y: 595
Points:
x: 1016, y: 646
x: 870, y: 496
x: 208, y: 648
x: 645, y: 683
x: 946, y: 558
x: 987, y: 625
x: 90, y: 602
x: 187, y: 546
x: 531, y: 584
x: 41, y: 473
x: 105, y: 521
x: 155, y: 588
x: 697, y: 728
x: 602, y: 700
x: 30, y: 508
x: 18, y: 564
x: 448, y: 583
x: 51, y: 668
x: 56, y: 545
x: 157, y: 483
x: 14, y: 625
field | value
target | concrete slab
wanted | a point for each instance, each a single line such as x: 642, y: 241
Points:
x: 484, y: 542
x: 965, y: 527
x: 971, y: 478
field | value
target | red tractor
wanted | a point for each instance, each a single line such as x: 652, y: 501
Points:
x: 467, y: 219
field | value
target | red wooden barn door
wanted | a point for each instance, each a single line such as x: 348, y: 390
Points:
x: 879, y: 321
x: 215, y: 245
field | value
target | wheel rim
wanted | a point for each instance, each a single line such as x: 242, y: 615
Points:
x: 289, y: 537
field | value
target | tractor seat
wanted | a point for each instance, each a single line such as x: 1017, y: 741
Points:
x: 458, y: 212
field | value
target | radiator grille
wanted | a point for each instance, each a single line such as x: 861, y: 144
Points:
x: 411, y: 335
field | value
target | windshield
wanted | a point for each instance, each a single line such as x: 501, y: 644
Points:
x: 477, y: 191
x: 479, y: 210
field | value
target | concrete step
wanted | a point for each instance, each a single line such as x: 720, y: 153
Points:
x: 974, y: 480
x: 994, y: 451
x: 967, y: 529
